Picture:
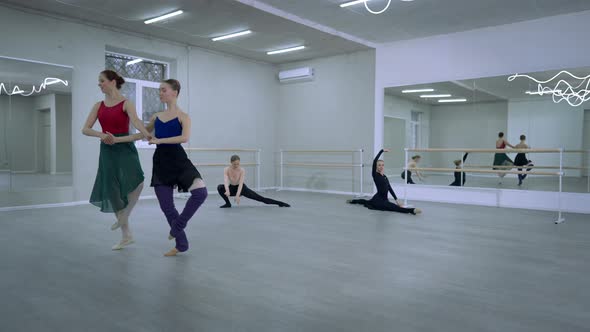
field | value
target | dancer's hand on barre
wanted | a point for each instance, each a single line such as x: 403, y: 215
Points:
x: 386, y: 150
x: 108, y: 138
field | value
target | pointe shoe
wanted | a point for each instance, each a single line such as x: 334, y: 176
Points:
x: 172, y: 252
x: 115, y: 226
x: 124, y: 243
x: 417, y: 211
x: 170, y: 237
x: 349, y: 201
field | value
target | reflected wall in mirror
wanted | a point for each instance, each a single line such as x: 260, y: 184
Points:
x: 35, y: 126
x: 470, y: 114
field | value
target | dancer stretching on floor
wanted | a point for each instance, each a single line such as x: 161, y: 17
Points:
x: 380, y: 200
x: 234, y: 186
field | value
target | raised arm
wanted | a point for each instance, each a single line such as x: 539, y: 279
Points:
x: 374, y: 171
x: 465, y: 156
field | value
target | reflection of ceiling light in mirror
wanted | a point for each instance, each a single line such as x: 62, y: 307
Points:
x: 435, y: 96
x: 233, y: 35
x: 163, y: 17
x: 573, y: 94
x: 417, y: 90
x: 461, y: 100
x: 132, y: 62
x: 543, y: 92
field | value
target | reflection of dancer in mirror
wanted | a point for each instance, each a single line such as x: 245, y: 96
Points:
x: 233, y: 185
x: 172, y: 168
x: 459, y: 165
x: 119, y: 179
x: 380, y: 200
x: 521, y: 159
x: 412, y: 164
x: 502, y: 159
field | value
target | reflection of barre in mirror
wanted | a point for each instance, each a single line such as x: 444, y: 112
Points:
x: 487, y: 169
x: 16, y: 90
x: 284, y: 164
x: 574, y: 95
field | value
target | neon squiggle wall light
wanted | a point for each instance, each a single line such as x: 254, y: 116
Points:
x: 574, y: 95
x: 18, y: 91
x: 377, y: 12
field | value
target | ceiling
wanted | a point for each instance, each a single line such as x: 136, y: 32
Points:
x: 422, y: 18
x: 26, y: 74
x: 494, y: 89
x: 201, y: 21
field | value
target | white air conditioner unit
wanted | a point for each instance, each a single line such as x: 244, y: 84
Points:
x: 296, y: 75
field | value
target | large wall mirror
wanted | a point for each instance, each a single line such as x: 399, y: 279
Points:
x: 549, y: 108
x: 35, y: 131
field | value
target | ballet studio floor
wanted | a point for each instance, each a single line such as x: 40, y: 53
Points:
x: 321, y: 265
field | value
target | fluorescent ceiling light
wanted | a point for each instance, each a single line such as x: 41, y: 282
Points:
x: 417, y: 90
x: 452, y: 100
x: 163, y: 17
x: 233, y: 35
x: 132, y: 62
x: 286, y: 50
x: 435, y: 96
x: 352, y: 3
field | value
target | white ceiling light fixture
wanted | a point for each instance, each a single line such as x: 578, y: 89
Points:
x: 163, y: 17
x: 417, y: 90
x: 285, y: 50
x: 132, y: 62
x: 232, y: 35
x: 435, y: 96
x: 458, y: 100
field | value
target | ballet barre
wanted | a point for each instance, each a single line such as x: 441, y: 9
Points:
x: 464, y: 169
x: 255, y: 164
x: 284, y: 164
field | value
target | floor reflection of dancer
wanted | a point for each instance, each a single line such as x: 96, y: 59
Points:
x: 380, y: 200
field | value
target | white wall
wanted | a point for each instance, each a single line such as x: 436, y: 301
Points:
x: 586, y: 143
x: 213, y: 78
x: 473, y: 126
x: 63, y: 129
x: 548, y: 125
x: 334, y: 112
x: 514, y: 48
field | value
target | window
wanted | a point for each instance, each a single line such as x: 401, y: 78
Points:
x: 415, y: 127
x: 142, y: 83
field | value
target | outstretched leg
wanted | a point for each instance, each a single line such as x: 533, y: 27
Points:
x: 247, y: 192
